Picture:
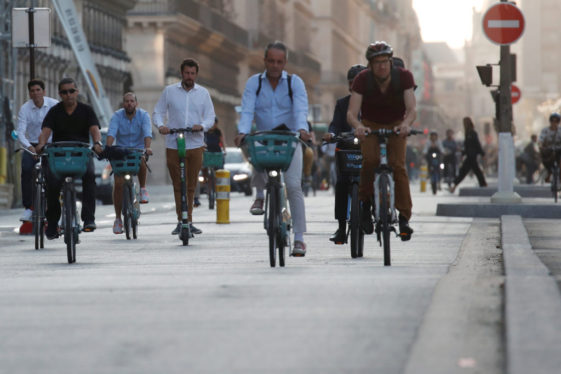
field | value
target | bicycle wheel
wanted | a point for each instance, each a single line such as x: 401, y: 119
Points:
x: 69, y: 211
x: 385, y: 217
x: 38, y: 221
x: 273, y: 225
x: 127, y: 210
x: 554, y: 181
x: 282, y: 240
x: 134, y: 211
x: 211, y: 189
x: 184, y: 235
x: 355, y: 221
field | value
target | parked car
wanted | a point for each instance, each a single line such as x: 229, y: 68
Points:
x: 240, y: 170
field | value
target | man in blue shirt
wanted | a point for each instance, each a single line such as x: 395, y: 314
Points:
x: 274, y: 98
x: 132, y: 129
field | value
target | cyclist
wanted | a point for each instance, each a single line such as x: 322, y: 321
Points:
x: 131, y: 128
x: 338, y: 125
x: 187, y: 104
x: 383, y: 95
x: 214, y: 140
x: 70, y: 120
x: 432, y: 146
x: 30, y: 118
x: 275, y: 98
x: 450, y: 147
x: 550, y: 136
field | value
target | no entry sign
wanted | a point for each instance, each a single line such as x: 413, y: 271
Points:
x: 515, y: 94
x: 503, y: 23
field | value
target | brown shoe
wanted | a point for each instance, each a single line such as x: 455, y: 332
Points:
x: 257, y: 207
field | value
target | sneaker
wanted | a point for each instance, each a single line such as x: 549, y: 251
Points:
x: 366, y: 218
x: 89, y: 226
x: 51, y: 232
x: 144, y: 197
x: 196, y: 202
x: 405, y: 230
x: 26, y: 215
x: 118, y: 226
x: 340, y: 237
x: 299, y: 249
x: 195, y: 230
x: 177, y: 229
x: 257, y: 207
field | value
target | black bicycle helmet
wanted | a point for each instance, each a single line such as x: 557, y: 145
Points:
x: 354, y: 70
x: 554, y: 115
x: 378, y: 48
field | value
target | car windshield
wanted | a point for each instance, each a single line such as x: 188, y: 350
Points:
x: 234, y: 158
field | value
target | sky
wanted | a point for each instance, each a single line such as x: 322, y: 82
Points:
x: 446, y: 20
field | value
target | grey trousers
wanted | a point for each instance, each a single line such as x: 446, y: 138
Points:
x: 293, y: 181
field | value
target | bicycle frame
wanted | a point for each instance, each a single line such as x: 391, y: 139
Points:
x: 384, y: 169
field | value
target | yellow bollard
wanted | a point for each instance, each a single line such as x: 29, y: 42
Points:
x: 423, y: 177
x: 222, y: 196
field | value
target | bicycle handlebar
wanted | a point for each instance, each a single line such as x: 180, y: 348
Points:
x: 42, y: 154
x: 182, y: 130
x: 390, y: 132
x: 277, y: 132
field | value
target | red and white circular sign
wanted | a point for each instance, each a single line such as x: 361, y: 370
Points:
x: 515, y: 94
x: 503, y: 23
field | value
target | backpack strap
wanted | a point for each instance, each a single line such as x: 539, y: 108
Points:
x: 288, y: 80
x: 396, y: 82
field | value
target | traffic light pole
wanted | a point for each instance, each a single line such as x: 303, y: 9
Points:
x: 505, y: 188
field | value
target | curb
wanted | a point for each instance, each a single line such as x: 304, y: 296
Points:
x: 532, y: 305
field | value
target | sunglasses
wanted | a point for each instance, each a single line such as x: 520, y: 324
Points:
x: 66, y: 92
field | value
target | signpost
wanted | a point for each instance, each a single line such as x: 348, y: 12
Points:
x: 515, y: 94
x: 503, y: 23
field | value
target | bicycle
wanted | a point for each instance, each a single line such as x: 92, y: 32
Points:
x: 212, y: 161
x: 67, y: 160
x: 39, y: 199
x: 385, y: 216
x: 555, y: 182
x: 272, y: 152
x: 349, y: 162
x: 128, y: 167
x: 435, y: 168
x: 185, y: 232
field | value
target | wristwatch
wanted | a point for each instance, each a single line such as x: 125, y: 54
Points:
x: 99, y: 143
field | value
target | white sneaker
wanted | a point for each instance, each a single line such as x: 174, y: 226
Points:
x: 118, y: 226
x: 26, y: 216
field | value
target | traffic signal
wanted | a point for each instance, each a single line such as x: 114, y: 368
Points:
x: 485, y: 74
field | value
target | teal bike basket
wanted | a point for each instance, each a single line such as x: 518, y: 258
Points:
x: 213, y: 159
x: 130, y: 164
x: 270, y: 151
x: 68, y: 161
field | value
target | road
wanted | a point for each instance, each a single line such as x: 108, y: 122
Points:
x: 154, y: 306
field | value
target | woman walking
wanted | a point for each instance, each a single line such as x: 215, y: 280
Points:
x: 472, y: 148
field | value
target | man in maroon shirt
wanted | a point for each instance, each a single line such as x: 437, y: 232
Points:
x: 383, y: 95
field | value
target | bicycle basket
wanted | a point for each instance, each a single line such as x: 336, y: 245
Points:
x: 130, y: 164
x: 68, y: 161
x: 349, y: 161
x: 270, y: 151
x: 213, y: 159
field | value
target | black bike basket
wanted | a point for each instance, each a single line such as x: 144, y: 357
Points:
x: 349, y: 161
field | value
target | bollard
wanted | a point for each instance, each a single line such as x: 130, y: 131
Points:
x: 423, y: 177
x: 222, y: 196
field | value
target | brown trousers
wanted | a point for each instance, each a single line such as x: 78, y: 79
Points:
x: 396, y: 147
x: 118, y: 187
x: 193, y: 163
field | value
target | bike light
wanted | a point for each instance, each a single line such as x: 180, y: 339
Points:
x: 442, y: 166
x: 240, y: 177
x: 355, y: 140
x: 273, y: 173
x: 201, y: 179
x: 180, y: 135
x: 434, y: 155
x: 68, y: 179
x: 127, y: 177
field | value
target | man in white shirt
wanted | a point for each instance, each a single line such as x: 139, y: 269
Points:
x: 30, y: 118
x: 186, y: 104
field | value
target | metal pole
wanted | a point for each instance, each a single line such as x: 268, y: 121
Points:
x: 505, y: 124
x: 31, y: 13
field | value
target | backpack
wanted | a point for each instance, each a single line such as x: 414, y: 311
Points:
x: 289, y: 81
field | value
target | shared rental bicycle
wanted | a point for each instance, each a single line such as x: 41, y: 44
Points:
x: 185, y: 232
x: 348, y: 159
x: 385, y: 215
x: 272, y: 152
x: 67, y: 161
x: 212, y: 161
x: 128, y: 167
x: 39, y: 199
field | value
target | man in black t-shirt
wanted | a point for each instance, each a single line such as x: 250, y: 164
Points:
x: 70, y: 120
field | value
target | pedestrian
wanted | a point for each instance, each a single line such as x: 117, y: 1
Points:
x: 472, y: 148
x: 30, y: 118
x: 70, y: 120
x: 530, y: 157
x: 186, y: 105
x: 130, y: 127
x: 383, y: 95
x: 338, y: 125
x: 274, y: 98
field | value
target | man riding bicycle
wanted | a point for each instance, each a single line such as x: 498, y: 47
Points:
x: 131, y: 127
x: 383, y: 95
x: 550, y: 136
x: 338, y: 125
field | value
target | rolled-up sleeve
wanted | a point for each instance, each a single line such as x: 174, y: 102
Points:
x: 22, y: 128
x: 300, y: 106
x: 160, y: 110
x: 248, y: 105
x: 113, y: 125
